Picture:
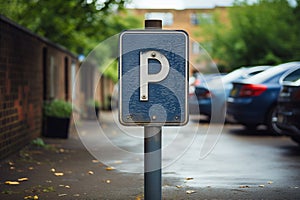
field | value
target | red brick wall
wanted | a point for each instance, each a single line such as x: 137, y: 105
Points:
x: 22, y: 85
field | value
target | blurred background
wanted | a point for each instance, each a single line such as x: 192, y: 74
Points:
x: 43, y: 44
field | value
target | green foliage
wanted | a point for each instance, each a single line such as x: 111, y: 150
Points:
x: 39, y: 142
x: 58, y: 108
x: 112, y: 70
x: 79, y: 25
x: 266, y: 32
x: 93, y: 103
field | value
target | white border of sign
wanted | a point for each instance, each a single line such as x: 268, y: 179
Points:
x: 186, y: 78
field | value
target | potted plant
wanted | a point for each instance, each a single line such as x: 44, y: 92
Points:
x: 93, y: 107
x: 57, y: 114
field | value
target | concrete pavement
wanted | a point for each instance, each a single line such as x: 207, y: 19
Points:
x: 64, y: 169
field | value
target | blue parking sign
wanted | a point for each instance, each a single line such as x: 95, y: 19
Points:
x: 153, y: 78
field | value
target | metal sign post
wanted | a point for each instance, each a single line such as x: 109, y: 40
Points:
x: 152, y: 162
x: 153, y: 89
x: 152, y: 148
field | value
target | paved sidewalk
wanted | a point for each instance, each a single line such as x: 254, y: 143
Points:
x: 64, y: 169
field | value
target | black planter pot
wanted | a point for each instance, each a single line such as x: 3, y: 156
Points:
x: 97, y: 111
x: 55, y: 127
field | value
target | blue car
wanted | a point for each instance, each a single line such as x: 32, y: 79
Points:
x: 252, y: 102
x: 210, y: 98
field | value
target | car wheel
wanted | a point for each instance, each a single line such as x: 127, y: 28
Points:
x: 296, y: 139
x: 271, y: 122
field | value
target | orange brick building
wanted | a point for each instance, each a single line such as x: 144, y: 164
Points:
x: 190, y: 20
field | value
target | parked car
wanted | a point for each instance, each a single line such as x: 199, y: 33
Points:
x: 252, y: 102
x: 210, y: 99
x: 199, y: 80
x: 288, y: 105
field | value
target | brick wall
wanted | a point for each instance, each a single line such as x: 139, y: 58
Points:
x: 32, y: 70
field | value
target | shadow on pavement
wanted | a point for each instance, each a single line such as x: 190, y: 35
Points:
x: 291, y: 150
x: 246, y: 132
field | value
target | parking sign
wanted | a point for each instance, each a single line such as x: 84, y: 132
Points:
x: 153, y: 77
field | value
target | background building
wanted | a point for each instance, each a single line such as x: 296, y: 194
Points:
x: 190, y: 20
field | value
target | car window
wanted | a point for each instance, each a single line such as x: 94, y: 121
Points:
x: 255, y: 72
x: 293, y: 76
x: 274, y: 79
x: 271, y: 75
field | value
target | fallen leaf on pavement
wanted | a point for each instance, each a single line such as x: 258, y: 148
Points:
x: 61, y: 195
x: 109, y: 168
x: 23, y: 179
x: 35, y: 197
x: 90, y: 172
x: 178, y: 186
x: 11, y: 163
x: 189, y: 178
x: 58, y: 174
x: 65, y: 186
x: 139, y: 197
x: 48, y: 189
x: 12, y: 183
x: 261, y: 186
x: 190, y: 191
x: 244, y: 186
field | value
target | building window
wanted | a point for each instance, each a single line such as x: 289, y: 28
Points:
x: 194, y: 19
x: 201, y: 18
x: 206, y: 18
x: 167, y: 18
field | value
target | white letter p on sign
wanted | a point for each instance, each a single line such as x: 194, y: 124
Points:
x: 145, y: 77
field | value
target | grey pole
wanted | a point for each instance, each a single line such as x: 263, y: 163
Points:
x: 152, y: 148
x: 152, y: 163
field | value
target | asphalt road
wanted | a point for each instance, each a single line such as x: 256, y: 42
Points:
x: 200, y: 161
x: 214, y: 161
